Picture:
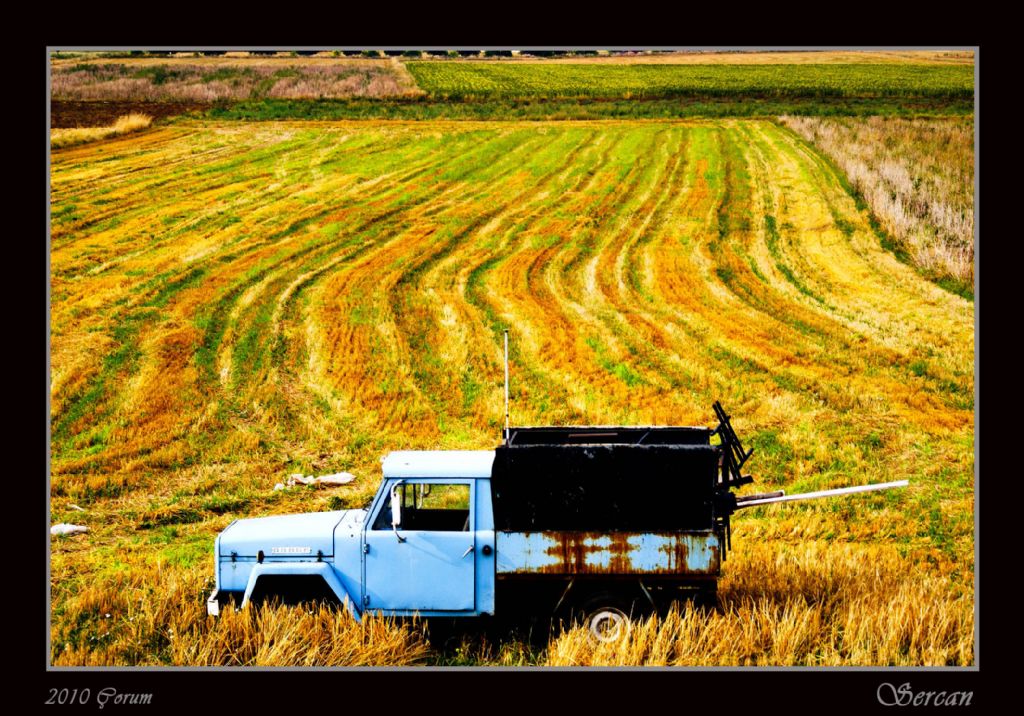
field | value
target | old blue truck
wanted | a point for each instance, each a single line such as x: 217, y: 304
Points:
x: 601, y: 523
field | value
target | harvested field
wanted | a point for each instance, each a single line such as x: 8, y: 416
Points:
x: 917, y: 176
x: 125, y: 124
x: 234, y: 302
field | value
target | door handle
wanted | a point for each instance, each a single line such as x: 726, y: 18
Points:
x: 468, y: 550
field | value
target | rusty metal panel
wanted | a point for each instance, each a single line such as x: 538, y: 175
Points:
x: 666, y: 553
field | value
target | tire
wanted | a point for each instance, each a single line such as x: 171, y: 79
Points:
x: 607, y: 624
x: 607, y: 617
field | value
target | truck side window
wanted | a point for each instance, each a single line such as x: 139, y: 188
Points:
x: 430, y: 507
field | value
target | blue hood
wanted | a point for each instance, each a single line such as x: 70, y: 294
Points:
x: 280, y: 536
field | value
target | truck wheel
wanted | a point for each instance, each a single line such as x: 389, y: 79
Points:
x: 606, y: 617
x: 607, y: 624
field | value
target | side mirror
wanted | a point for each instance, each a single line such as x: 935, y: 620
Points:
x: 396, y: 511
x: 396, y: 507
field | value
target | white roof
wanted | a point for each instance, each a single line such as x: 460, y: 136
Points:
x: 439, y: 463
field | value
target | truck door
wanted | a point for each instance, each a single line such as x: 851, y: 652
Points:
x: 427, y: 563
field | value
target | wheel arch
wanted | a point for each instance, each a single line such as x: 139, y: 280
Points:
x: 299, y: 569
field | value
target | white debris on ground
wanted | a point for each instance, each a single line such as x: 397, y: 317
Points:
x: 76, y: 507
x: 67, y: 529
x: 338, y: 478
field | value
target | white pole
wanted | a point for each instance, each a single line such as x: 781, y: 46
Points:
x: 506, y: 385
x: 826, y: 493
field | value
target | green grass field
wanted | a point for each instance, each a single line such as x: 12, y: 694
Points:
x: 480, y: 80
x: 537, y: 91
x: 539, y: 109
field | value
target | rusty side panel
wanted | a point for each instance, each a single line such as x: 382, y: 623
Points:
x: 552, y: 552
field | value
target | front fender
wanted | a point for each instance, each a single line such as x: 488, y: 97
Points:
x: 304, y: 568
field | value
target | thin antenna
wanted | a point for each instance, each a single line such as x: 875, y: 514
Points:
x: 506, y: 386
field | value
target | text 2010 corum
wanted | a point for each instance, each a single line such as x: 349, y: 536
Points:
x: 601, y: 523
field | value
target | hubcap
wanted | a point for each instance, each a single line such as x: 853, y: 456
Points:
x: 608, y: 625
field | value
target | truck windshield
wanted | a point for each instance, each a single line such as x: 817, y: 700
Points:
x: 428, y: 506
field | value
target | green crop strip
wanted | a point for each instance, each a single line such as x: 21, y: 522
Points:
x: 638, y: 81
x: 543, y: 109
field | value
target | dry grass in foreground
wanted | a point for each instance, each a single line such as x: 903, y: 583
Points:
x: 813, y: 604
x: 158, y: 617
x: 124, y: 124
x: 917, y: 176
x: 807, y: 604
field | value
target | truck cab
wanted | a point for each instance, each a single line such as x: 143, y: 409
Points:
x: 424, y: 546
x: 428, y: 543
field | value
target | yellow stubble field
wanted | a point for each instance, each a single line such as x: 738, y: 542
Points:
x: 231, y: 303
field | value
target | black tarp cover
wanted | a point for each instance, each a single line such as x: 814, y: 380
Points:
x: 604, y: 488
